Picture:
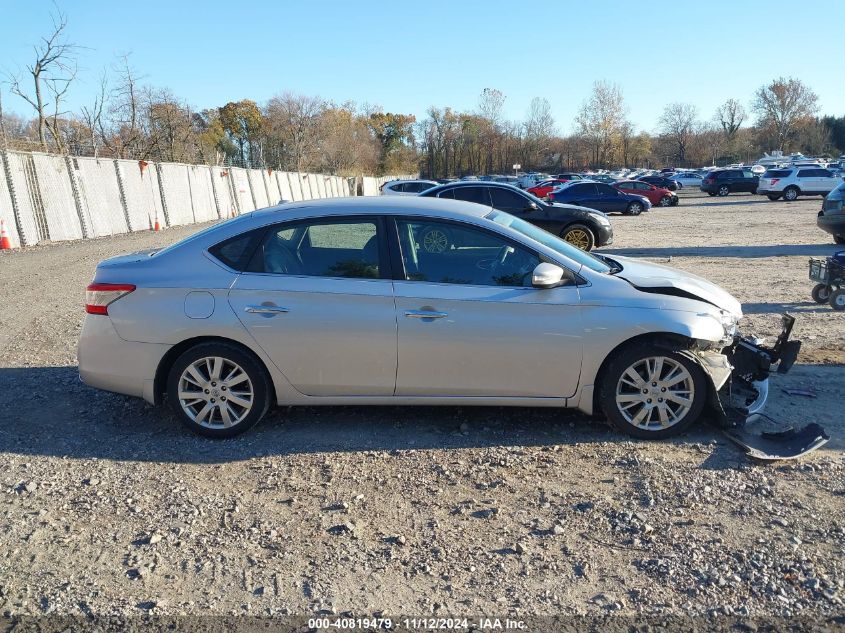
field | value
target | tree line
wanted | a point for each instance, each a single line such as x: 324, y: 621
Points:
x: 131, y: 119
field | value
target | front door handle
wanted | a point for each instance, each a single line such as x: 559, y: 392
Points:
x: 265, y: 309
x: 425, y: 314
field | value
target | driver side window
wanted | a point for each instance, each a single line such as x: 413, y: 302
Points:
x: 443, y: 252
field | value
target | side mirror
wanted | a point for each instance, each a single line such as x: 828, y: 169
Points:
x: 546, y: 275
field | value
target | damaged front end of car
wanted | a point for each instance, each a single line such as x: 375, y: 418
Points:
x: 740, y: 377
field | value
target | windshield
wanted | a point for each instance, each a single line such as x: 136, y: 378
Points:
x: 551, y: 241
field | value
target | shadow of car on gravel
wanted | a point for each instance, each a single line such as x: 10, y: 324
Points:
x: 56, y: 415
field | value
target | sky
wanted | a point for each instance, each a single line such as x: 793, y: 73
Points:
x: 407, y: 56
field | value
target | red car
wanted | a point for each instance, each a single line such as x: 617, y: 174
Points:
x: 658, y: 196
x: 542, y: 189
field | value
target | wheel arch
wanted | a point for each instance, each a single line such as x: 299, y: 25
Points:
x: 166, y: 362
x: 664, y: 338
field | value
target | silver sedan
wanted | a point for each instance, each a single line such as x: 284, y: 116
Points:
x: 346, y: 301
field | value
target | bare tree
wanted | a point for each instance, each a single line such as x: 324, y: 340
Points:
x: 121, y: 126
x: 730, y: 116
x: 600, y: 121
x: 782, y: 105
x: 53, y: 70
x: 678, y: 124
x: 92, y: 116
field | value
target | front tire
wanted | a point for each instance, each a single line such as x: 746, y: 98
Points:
x: 579, y: 236
x: 652, y: 392
x: 218, y: 390
x: 635, y: 208
x: 820, y: 293
x: 790, y: 194
x: 665, y: 201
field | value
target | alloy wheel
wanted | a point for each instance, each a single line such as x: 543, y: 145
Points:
x: 655, y: 393
x: 578, y: 238
x: 215, y: 392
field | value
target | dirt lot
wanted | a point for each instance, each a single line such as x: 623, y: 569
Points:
x: 108, y: 507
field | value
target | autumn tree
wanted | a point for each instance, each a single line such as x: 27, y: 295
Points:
x: 730, y: 116
x: 782, y: 105
x: 243, y: 122
x: 600, y: 122
x: 395, y: 134
x: 293, y: 127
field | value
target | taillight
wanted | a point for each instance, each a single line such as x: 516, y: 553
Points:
x: 98, y: 297
x: 774, y: 180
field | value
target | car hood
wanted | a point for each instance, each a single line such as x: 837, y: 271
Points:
x: 659, y: 279
x: 575, y: 207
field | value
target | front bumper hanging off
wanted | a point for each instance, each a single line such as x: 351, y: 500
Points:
x: 742, y: 398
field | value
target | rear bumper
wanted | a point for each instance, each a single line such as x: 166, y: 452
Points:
x: 109, y: 362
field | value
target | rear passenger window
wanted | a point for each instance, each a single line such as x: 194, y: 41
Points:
x: 237, y: 251
x: 321, y: 248
x: 478, y: 195
x: 449, y: 193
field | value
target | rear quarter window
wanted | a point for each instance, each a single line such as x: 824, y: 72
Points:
x: 237, y: 251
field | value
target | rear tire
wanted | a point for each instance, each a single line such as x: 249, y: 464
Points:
x: 820, y: 293
x: 724, y: 190
x: 790, y: 194
x: 579, y: 236
x: 837, y: 299
x: 218, y: 390
x: 676, y: 390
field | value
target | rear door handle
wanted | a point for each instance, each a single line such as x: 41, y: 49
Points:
x: 265, y: 309
x: 425, y: 314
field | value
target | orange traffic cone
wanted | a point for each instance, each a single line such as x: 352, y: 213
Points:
x: 5, y: 242
x: 157, y: 226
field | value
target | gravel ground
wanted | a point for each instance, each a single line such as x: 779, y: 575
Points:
x: 108, y: 507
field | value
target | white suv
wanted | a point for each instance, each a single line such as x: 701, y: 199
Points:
x: 406, y: 187
x: 791, y: 182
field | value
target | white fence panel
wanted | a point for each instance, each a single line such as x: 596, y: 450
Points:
x: 283, y: 183
x: 223, y: 191
x: 331, y: 187
x: 347, y: 188
x: 241, y: 189
x: 99, y: 194
x: 7, y: 213
x: 57, y: 197
x: 177, y: 193
x: 295, y: 180
x: 29, y: 224
x: 143, y: 198
x: 259, y: 190
x: 202, y: 193
x: 314, y: 184
x: 272, y: 184
x: 370, y: 186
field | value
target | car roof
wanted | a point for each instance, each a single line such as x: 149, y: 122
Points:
x: 372, y: 205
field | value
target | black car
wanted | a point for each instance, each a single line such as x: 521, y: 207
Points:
x: 584, y: 228
x: 721, y: 182
x: 660, y: 181
x: 601, y: 197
